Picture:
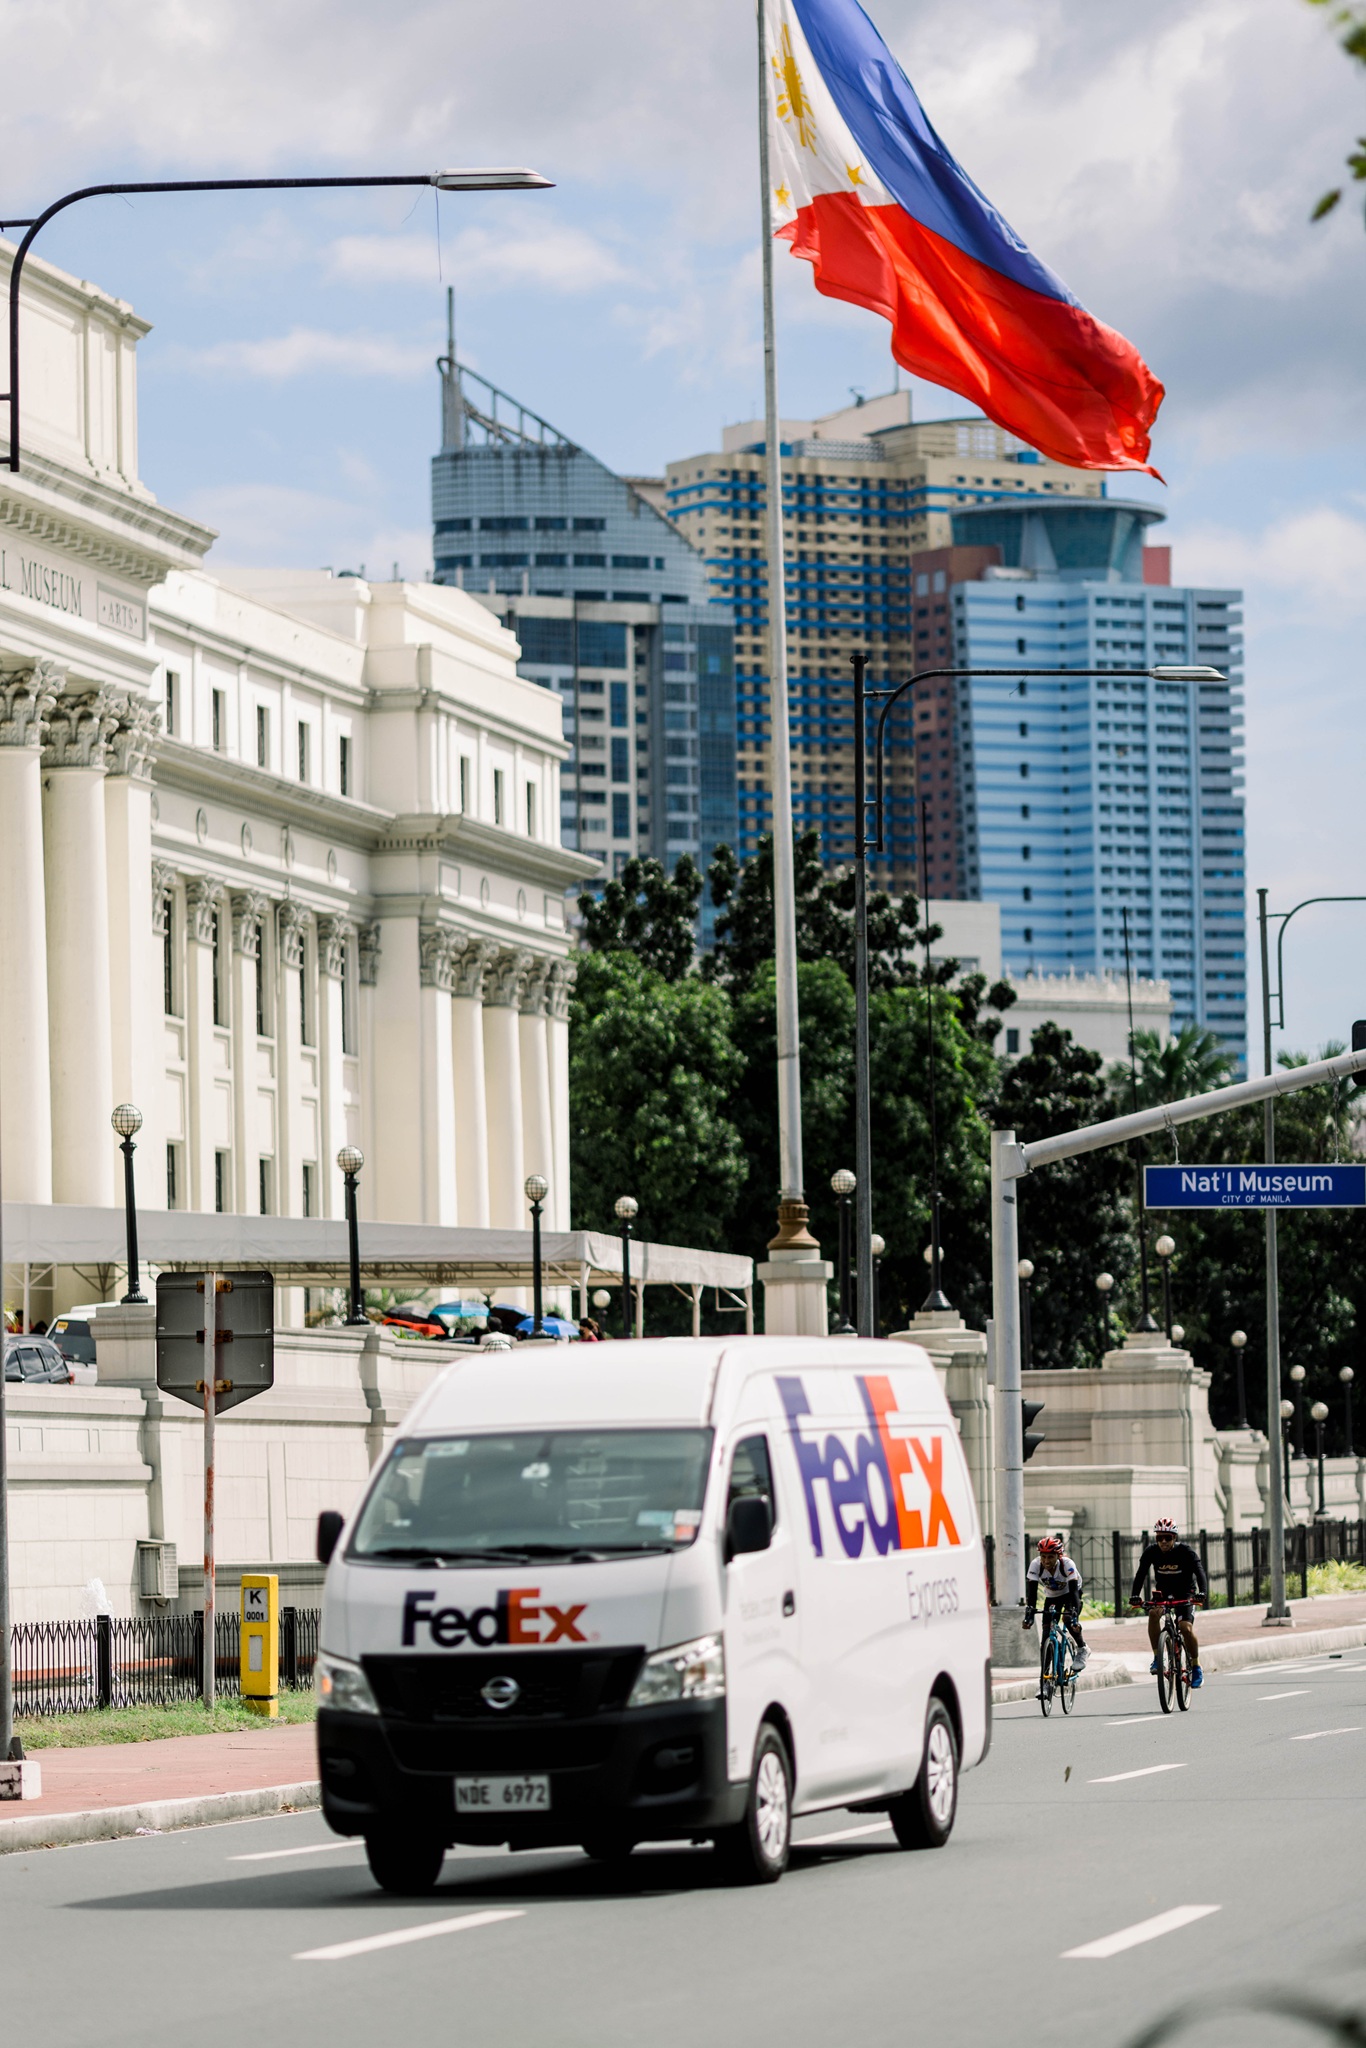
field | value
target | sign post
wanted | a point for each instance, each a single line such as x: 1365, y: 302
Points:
x: 209, y: 1383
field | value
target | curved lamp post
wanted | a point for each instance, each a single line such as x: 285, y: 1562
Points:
x: 1347, y: 1376
x: 842, y: 1186
x: 350, y: 1160
x: 1297, y: 1375
x: 1319, y: 1415
x: 127, y: 1121
x: 1104, y: 1286
x: 1239, y: 1342
x: 626, y: 1208
x: 1164, y: 1248
x: 878, y: 1246
x: 1025, y: 1271
x: 536, y: 1187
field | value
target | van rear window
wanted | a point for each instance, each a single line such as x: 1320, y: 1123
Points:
x: 510, y: 1498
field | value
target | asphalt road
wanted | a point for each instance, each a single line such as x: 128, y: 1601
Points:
x: 1251, y: 1807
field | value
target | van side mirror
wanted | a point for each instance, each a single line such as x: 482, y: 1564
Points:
x: 330, y: 1526
x: 749, y: 1524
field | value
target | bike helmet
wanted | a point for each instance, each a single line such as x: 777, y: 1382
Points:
x: 1164, y: 1526
x: 1050, y: 1546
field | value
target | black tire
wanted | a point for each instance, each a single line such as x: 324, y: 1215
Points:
x: 1046, y: 1682
x: 1166, y: 1674
x: 923, y: 1817
x: 1183, y: 1678
x: 607, y: 1847
x: 1067, y: 1681
x: 408, y: 1865
x: 756, y: 1849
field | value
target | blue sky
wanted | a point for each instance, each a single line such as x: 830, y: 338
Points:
x: 1164, y: 161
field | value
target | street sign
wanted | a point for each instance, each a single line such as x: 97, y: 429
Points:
x: 244, y: 1331
x: 1254, y: 1187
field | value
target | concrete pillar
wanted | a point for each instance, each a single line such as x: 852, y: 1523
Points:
x: 503, y: 1090
x: 558, y: 991
x: 201, y: 904
x: 395, y: 1077
x: 336, y: 935
x: 135, y: 978
x: 436, y: 1132
x: 795, y: 1278
x: 75, y: 864
x: 249, y: 907
x: 538, y: 1137
x: 291, y: 922
x: 26, y: 697
x: 471, y: 1108
x: 960, y: 1357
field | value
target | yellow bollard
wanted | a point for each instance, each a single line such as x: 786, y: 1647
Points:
x: 260, y: 1667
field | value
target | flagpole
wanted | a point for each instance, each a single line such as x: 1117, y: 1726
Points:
x: 791, y: 1226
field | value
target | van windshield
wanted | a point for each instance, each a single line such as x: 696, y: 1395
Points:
x: 536, y: 1493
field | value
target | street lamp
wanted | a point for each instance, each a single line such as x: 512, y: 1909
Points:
x: 1025, y: 1270
x: 1287, y: 1410
x: 350, y: 1160
x: 444, y: 181
x: 536, y: 1187
x: 1297, y: 1375
x: 627, y: 1208
x: 1164, y: 1248
x: 1347, y: 1376
x: 1319, y: 1414
x: 1104, y: 1284
x: 842, y: 1186
x: 878, y: 1247
x: 1239, y: 1342
x: 127, y: 1121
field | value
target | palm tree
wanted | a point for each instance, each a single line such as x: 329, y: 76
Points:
x: 1168, y: 1070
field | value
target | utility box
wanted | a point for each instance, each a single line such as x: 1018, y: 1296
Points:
x: 158, y: 1571
x: 260, y: 1666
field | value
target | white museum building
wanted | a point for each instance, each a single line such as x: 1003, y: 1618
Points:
x: 280, y: 851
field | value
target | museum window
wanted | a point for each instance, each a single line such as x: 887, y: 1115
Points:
x: 348, y: 1003
x: 303, y: 751
x: 498, y: 783
x: 262, y: 736
x: 464, y: 784
x: 344, y: 764
x: 221, y: 1162
x: 168, y: 957
x: 172, y: 1177
x: 263, y: 1029
x: 219, y: 719
x: 265, y: 1167
x: 531, y: 810
x: 310, y: 1178
x: 220, y: 1004
x: 172, y: 705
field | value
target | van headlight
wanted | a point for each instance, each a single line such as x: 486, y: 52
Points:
x: 689, y: 1671
x: 343, y: 1685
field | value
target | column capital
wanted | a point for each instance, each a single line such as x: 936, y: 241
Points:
x: 249, y: 906
x: 563, y: 975
x: 201, y: 907
x: 535, y: 990
x: 27, y: 695
x: 292, y: 922
x: 79, y: 729
x: 503, y: 979
x: 368, y: 947
x: 132, y: 745
x: 335, y: 934
x: 436, y: 963
x: 163, y: 886
x: 470, y: 967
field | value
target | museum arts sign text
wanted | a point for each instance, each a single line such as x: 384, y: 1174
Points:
x: 64, y: 587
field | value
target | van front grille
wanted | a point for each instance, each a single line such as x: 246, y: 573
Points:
x: 552, y: 1685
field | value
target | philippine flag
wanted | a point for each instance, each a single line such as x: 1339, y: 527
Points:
x: 866, y: 192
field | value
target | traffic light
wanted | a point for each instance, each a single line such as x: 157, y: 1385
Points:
x: 1359, y: 1035
x: 1030, y: 1439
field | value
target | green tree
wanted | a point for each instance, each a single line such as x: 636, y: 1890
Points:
x: 743, y: 896
x: 653, y: 1069
x: 648, y: 912
x: 1170, y: 1069
x: 1351, y: 24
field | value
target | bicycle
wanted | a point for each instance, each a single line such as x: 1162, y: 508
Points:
x: 1174, y: 1664
x: 1058, y: 1666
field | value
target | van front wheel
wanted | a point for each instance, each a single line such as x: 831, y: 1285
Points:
x: 406, y: 1864
x: 923, y: 1817
x: 756, y: 1850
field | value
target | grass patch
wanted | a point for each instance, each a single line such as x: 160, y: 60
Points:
x: 150, y: 1724
x: 1337, y: 1578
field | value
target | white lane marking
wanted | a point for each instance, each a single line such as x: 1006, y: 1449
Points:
x: 879, y: 1827
x: 1143, y: 1930
x: 1319, y: 1734
x: 338, y: 1951
x: 309, y: 1849
x: 1134, y: 1720
x: 1149, y: 1771
x: 1301, y: 1693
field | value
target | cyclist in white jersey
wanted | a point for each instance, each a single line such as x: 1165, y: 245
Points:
x: 1053, y: 1574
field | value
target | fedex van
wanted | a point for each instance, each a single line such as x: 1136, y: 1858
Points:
x: 649, y: 1590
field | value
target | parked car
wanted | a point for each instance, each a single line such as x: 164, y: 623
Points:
x: 35, y: 1362
x: 74, y: 1336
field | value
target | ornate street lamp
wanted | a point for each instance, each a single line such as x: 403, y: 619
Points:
x: 536, y: 1187
x: 878, y: 1246
x: 1347, y: 1376
x: 127, y: 1121
x: 350, y: 1160
x: 842, y: 1186
x: 627, y: 1209
x: 1319, y: 1415
x: 1164, y: 1248
x: 1104, y: 1284
x: 1297, y: 1375
x: 1239, y: 1342
x: 1025, y: 1271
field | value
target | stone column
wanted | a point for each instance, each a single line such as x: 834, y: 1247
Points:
x: 291, y: 922
x: 201, y: 904
x: 80, y: 1029
x: 471, y: 1108
x: 538, y: 1136
x: 249, y: 907
x: 503, y: 1090
x: 26, y: 697
x: 436, y: 1127
x: 135, y: 979
x: 335, y: 935
x: 558, y: 991
x: 394, y: 1188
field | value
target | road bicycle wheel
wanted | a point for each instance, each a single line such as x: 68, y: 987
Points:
x: 1046, y: 1678
x: 1168, y: 1660
x: 1067, y: 1677
x: 1183, y: 1678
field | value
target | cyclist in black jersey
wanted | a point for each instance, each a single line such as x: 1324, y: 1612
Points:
x: 1177, y: 1575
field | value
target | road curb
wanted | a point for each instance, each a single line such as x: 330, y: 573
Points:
x: 160, y: 1816
x: 1280, y: 1646
x: 1098, y: 1673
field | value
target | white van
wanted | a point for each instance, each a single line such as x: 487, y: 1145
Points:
x: 642, y: 1591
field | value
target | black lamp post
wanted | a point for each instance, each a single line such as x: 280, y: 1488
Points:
x: 1104, y: 1287
x: 127, y: 1121
x: 842, y: 1186
x: 1239, y: 1342
x: 1287, y: 1411
x: 1025, y: 1270
x: 627, y: 1209
x: 1319, y: 1415
x: 1297, y: 1375
x: 878, y: 1246
x: 351, y: 1159
x: 1164, y: 1248
x: 1347, y: 1376
x: 536, y: 1187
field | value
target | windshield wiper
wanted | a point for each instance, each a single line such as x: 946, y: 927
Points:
x: 424, y: 1554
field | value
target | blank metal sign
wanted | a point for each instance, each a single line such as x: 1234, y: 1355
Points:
x: 244, y: 1316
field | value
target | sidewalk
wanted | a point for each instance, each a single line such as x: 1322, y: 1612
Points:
x: 110, y: 1789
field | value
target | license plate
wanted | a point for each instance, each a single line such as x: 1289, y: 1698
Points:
x: 502, y: 1795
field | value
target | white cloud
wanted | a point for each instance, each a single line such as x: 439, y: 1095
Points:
x: 303, y: 352
x: 1315, y: 558
x: 555, y: 257
x: 269, y: 524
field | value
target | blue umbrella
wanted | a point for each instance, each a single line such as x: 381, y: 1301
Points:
x: 551, y: 1326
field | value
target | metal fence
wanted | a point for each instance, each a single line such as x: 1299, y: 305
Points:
x: 1237, y: 1563
x: 67, y: 1667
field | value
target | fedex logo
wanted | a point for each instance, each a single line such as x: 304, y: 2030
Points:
x: 887, y: 1485
x: 515, y: 1617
